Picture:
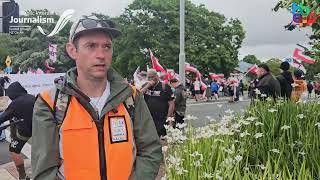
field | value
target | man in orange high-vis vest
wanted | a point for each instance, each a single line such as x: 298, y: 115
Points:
x: 99, y: 138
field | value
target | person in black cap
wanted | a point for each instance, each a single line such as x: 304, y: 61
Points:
x: 285, y: 79
x: 267, y: 85
x: 21, y: 107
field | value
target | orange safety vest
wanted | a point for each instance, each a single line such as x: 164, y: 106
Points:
x: 83, y: 154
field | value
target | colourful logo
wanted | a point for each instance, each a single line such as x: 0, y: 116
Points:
x: 302, y: 15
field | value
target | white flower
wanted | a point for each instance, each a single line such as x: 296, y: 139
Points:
x: 170, y: 119
x: 258, y: 123
x: 213, y: 120
x: 219, y: 140
x: 190, y: 117
x: 251, y: 118
x: 269, y: 99
x: 302, y: 153
x: 207, y: 175
x: 236, y: 126
x: 285, y: 127
x: 272, y: 110
x: 218, y: 177
x: 263, y: 95
x: 258, y: 135
x: 164, y: 148
x: 238, y: 158
x: 275, y: 151
x: 257, y: 91
x: 181, y: 171
x: 195, y: 154
x: 208, y: 117
x: 197, y: 163
x: 229, y: 111
x: 219, y: 105
x: 262, y: 167
x: 244, y: 134
x: 244, y: 122
x: 318, y: 124
x: 300, y: 116
x: 181, y: 126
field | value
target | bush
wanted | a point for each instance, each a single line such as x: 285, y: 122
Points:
x: 268, y: 141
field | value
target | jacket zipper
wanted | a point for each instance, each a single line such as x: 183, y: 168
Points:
x: 102, y: 154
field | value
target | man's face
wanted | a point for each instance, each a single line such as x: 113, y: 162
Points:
x: 261, y: 72
x: 152, y: 76
x: 93, y: 54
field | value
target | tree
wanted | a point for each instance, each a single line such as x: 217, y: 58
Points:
x: 274, y: 65
x: 314, y: 37
x: 252, y: 59
x: 30, y: 49
x: 212, y: 41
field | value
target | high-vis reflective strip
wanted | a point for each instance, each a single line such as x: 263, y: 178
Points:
x: 80, y: 144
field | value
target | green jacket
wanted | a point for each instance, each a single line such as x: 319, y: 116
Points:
x: 45, y: 134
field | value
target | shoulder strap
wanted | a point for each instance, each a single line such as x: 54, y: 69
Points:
x: 129, y: 103
x: 60, y: 106
x: 163, y: 86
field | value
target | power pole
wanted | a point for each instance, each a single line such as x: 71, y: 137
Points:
x: 182, y: 55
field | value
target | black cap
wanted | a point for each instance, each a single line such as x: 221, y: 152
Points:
x: 265, y: 67
x: 285, y: 66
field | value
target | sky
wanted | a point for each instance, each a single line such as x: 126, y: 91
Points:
x: 265, y: 35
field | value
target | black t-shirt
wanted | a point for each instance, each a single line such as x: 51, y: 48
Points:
x: 157, y: 100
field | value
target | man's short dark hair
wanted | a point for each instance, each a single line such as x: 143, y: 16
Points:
x: 285, y: 66
x: 174, y: 80
x: 265, y: 67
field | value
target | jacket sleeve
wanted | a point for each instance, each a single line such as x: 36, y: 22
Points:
x: 45, y: 142
x: 7, y: 114
x: 149, y: 153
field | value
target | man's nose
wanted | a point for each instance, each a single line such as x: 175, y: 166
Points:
x: 100, y: 53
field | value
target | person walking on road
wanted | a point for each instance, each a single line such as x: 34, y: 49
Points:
x: 215, y: 89
x: 93, y: 125
x: 197, y: 89
x: 180, y: 100
x: 20, y: 108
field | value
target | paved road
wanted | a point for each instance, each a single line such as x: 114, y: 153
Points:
x: 215, y: 109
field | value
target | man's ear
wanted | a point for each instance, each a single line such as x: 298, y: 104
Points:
x: 71, y: 50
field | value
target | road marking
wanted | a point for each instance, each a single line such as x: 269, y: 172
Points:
x: 200, y: 104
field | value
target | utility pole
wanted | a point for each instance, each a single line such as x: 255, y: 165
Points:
x: 182, y: 55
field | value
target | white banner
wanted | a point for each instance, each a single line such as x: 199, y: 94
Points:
x: 34, y: 83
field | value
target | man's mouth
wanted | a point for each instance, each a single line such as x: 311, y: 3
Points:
x: 100, y: 65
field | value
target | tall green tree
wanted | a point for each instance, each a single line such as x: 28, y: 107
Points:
x: 212, y: 41
x: 33, y: 46
x: 274, y: 65
x: 252, y: 59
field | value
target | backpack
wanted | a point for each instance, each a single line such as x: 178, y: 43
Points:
x: 62, y: 100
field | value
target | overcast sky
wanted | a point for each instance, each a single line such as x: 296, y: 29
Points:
x: 265, y: 34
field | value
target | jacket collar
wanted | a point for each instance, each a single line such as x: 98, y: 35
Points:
x: 119, y: 90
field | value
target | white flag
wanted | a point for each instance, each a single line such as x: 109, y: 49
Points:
x: 53, y: 52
